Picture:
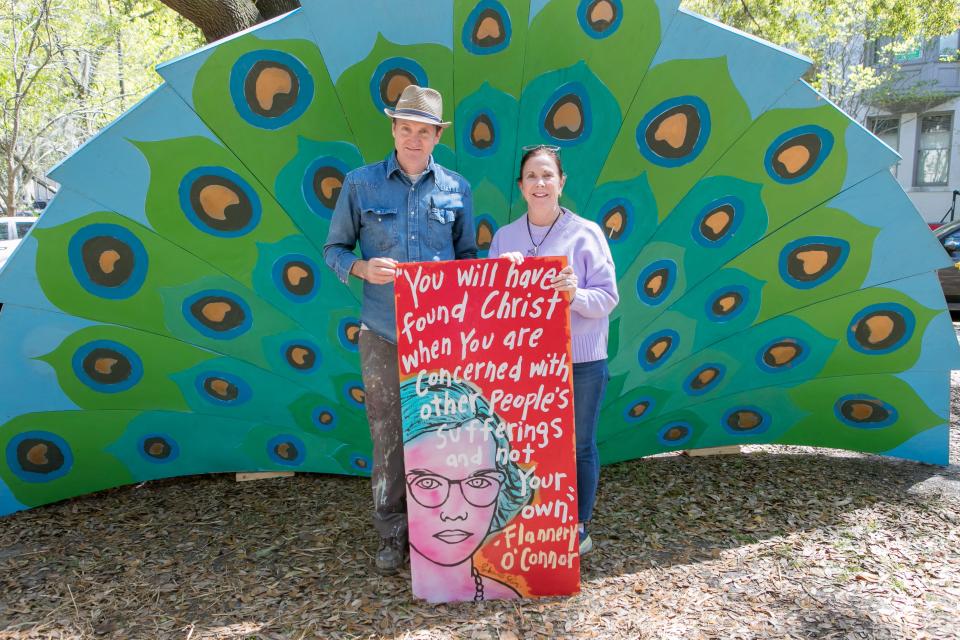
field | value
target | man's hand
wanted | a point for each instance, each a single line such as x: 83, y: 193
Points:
x: 376, y: 270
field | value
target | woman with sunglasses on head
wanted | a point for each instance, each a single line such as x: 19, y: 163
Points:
x: 590, y: 281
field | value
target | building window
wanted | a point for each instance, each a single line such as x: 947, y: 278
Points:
x: 949, y: 49
x: 888, y: 130
x: 933, y: 150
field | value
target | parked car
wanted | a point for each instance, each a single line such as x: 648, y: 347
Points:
x: 12, y: 231
x: 949, y: 237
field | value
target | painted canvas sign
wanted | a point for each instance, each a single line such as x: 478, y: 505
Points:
x: 485, y: 381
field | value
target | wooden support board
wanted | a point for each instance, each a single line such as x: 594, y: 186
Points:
x: 262, y: 475
x: 713, y: 451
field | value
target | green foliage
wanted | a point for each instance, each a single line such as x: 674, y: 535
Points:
x: 69, y: 68
x: 840, y: 36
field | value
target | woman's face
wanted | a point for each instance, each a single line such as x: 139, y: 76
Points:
x: 541, y: 183
x: 452, y: 490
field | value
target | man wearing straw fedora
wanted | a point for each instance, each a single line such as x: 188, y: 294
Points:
x: 406, y: 208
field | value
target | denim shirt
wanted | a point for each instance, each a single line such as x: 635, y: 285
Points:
x: 392, y: 218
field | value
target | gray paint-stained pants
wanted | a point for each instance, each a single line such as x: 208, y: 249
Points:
x: 381, y: 382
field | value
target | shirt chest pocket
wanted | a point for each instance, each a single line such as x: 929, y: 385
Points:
x: 379, y: 230
x: 440, y: 218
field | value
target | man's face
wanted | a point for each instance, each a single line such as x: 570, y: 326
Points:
x: 414, y: 142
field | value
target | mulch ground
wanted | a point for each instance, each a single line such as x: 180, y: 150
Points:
x: 777, y: 542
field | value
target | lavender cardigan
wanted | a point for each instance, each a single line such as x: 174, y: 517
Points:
x: 586, y: 249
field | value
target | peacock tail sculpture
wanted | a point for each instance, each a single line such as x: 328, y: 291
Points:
x: 171, y: 313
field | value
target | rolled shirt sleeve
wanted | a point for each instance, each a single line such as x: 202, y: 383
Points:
x: 344, y: 233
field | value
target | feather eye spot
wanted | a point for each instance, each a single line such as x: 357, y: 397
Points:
x: 218, y: 201
x: 39, y: 456
x: 271, y: 88
x: 392, y: 85
x: 865, y: 412
x: 358, y: 395
x: 327, y: 183
x: 485, y: 233
x: 881, y: 328
x: 391, y: 77
x: 616, y: 219
x: 656, y: 281
x: 638, y: 409
x: 287, y: 450
x: 107, y: 366
x: 674, y: 132
x: 797, y: 154
x: 782, y: 354
x: 217, y: 314
x: 746, y: 420
x: 600, y: 18
x: 158, y: 448
x: 301, y: 356
x: 351, y: 332
x: 296, y: 276
x: 221, y: 389
x: 565, y: 119
x: 361, y: 463
x: 487, y: 29
x: 354, y: 394
x: 614, y: 222
x: 324, y: 419
x: 704, y: 378
x: 718, y: 221
x: 809, y: 262
x: 482, y: 133
x: 108, y: 260
x: 675, y: 433
x: 655, y: 350
x: 727, y: 303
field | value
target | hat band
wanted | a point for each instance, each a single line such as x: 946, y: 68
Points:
x: 416, y: 112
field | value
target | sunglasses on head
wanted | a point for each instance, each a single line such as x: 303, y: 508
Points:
x: 537, y: 147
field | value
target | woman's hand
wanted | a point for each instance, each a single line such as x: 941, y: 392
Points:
x: 565, y: 281
x: 515, y: 257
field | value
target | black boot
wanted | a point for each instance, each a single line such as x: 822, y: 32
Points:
x: 391, y: 556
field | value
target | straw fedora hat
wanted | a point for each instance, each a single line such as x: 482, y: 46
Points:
x: 419, y: 104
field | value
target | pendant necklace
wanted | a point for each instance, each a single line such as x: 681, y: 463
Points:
x: 534, y: 251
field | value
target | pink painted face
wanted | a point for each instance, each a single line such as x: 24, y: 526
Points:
x: 452, y: 490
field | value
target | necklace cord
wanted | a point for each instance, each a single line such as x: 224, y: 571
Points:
x: 535, y: 251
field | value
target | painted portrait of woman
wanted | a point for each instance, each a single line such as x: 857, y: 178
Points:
x: 459, y: 490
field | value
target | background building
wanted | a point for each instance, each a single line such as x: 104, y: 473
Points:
x: 922, y: 123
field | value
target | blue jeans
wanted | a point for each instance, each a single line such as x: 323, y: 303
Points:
x: 589, y: 385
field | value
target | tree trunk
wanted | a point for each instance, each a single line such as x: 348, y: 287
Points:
x: 220, y: 18
x: 273, y: 8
